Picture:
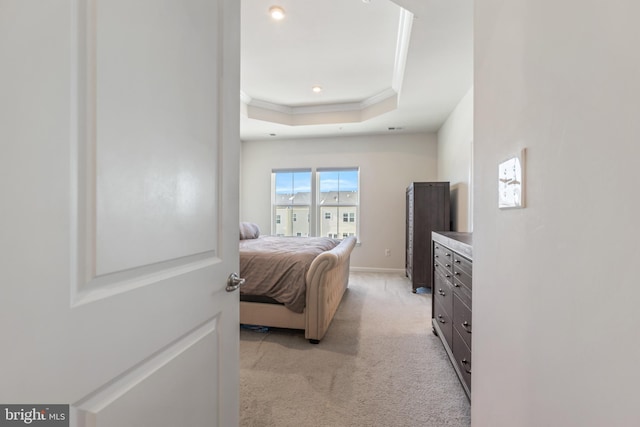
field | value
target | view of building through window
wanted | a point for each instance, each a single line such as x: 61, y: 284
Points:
x: 338, y: 202
x: 326, y: 206
x: 292, y: 202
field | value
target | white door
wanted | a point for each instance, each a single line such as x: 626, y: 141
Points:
x: 119, y: 135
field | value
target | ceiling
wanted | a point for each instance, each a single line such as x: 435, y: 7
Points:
x: 381, y: 66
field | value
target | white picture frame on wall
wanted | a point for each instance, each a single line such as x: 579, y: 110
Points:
x: 511, y: 182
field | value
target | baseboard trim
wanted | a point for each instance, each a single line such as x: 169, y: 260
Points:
x: 377, y: 270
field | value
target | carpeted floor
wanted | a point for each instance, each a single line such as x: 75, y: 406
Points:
x: 378, y: 365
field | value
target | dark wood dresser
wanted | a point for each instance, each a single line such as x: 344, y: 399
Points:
x: 451, y: 301
x: 427, y: 211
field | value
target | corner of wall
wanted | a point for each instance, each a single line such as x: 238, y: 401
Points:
x: 455, y: 145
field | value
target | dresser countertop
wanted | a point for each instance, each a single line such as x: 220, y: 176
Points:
x: 455, y: 240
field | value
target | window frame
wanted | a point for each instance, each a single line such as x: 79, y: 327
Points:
x: 275, y: 206
x: 355, y: 215
x: 315, y: 215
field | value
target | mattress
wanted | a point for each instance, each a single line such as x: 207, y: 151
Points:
x: 275, y: 267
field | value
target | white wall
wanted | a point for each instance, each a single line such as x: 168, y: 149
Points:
x: 556, y: 296
x: 387, y: 165
x: 454, y: 160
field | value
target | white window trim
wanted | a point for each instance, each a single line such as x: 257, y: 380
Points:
x: 275, y: 206
x: 317, y: 171
x: 314, y: 207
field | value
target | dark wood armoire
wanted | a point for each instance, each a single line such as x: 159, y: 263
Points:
x: 427, y: 211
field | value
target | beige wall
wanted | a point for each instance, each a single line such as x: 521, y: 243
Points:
x: 555, y: 300
x: 387, y: 165
x: 455, y: 139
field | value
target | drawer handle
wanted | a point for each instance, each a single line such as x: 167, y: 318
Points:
x: 441, y: 292
x: 447, y: 265
x: 456, y: 273
x: 466, y: 326
x: 437, y: 256
x: 455, y: 285
x: 448, y: 276
x: 440, y: 319
x: 447, y: 254
x: 465, y: 362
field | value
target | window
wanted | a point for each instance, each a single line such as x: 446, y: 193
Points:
x: 291, y: 202
x: 338, y: 197
x: 348, y: 217
x: 322, y: 198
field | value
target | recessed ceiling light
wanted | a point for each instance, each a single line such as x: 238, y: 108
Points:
x: 316, y: 89
x: 276, y: 12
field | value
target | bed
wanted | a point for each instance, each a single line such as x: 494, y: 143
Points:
x: 292, y: 282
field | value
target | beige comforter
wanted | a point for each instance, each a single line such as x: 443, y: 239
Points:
x: 275, y: 267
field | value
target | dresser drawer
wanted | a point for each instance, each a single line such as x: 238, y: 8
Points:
x: 463, y: 264
x: 443, y: 292
x: 442, y: 254
x: 443, y: 270
x: 462, y: 277
x: 445, y: 262
x: 462, y: 319
x: 462, y: 356
x: 441, y: 317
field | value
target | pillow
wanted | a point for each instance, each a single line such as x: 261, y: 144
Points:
x: 249, y: 230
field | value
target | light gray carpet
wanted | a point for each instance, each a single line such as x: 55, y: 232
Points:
x: 378, y: 365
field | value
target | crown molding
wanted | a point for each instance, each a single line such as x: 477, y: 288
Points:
x: 245, y: 98
x: 345, y: 112
x: 402, y: 49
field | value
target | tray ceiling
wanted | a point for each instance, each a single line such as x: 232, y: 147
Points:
x: 364, y: 56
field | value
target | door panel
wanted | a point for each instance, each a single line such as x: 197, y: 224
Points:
x: 159, y: 382
x: 120, y: 190
x: 155, y: 63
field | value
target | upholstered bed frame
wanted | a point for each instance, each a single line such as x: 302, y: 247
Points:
x: 327, y: 280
